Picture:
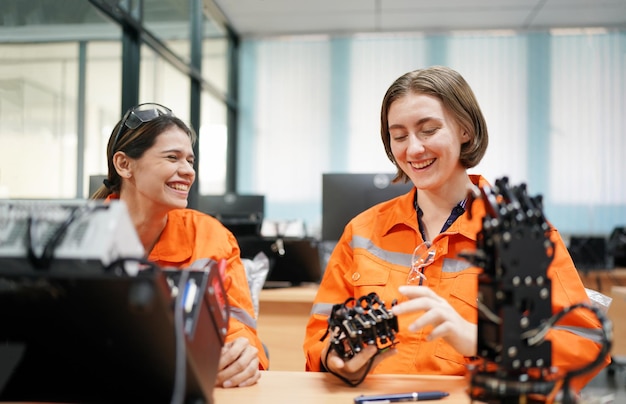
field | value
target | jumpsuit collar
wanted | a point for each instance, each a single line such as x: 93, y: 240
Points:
x: 401, y: 213
x: 177, y: 249
x: 404, y: 213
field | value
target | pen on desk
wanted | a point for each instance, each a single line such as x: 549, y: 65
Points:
x: 396, y: 398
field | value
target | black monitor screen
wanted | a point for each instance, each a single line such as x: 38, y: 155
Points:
x: 241, y: 214
x: 588, y: 252
x: 231, y: 204
x: 346, y: 195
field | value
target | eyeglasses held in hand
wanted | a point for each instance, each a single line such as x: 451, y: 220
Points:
x: 139, y: 114
x: 423, y: 255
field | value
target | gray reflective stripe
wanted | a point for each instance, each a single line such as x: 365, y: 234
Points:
x: 240, y: 314
x: 391, y: 257
x: 323, y: 309
x: 200, y: 263
x: 452, y: 265
x: 235, y: 312
x: 593, y: 334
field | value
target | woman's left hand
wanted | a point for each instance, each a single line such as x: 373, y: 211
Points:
x: 447, y: 323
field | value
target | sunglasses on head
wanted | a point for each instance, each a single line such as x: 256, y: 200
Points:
x: 142, y: 113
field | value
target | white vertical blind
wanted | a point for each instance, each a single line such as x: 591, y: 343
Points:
x: 291, y: 118
x: 588, y: 139
x: 376, y: 63
x: 495, y: 68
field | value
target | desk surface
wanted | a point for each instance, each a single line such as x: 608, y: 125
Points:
x: 316, y: 388
x: 601, y: 280
x: 283, y: 315
x: 297, y: 294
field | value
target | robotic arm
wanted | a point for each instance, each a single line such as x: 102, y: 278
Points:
x: 514, y: 301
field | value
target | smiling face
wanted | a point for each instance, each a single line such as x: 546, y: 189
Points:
x: 426, y: 141
x: 161, y: 178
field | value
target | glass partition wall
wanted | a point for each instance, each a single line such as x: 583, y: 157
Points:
x: 64, y: 71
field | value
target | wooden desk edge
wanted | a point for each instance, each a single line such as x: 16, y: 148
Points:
x: 317, y: 387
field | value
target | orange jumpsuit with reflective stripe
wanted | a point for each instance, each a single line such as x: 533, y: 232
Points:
x: 190, y: 236
x: 374, y: 255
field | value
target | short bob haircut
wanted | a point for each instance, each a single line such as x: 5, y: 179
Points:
x: 457, y: 97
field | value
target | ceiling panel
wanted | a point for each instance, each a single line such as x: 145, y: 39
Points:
x: 286, y: 17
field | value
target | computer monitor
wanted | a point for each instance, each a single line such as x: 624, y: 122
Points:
x: 232, y: 204
x: 292, y: 261
x: 344, y: 195
x: 241, y: 214
x: 104, y: 338
x: 616, y: 246
x: 588, y: 252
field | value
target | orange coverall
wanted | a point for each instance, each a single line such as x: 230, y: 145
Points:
x: 190, y: 236
x: 374, y: 255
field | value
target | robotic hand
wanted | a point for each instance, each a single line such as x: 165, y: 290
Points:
x: 357, y: 323
x: 514, y: 300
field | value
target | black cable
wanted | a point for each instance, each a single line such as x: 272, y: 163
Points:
x: 538, y: 335
x: 607, y: 332
x: 345, y: 379
x: 371, y: 324
x: 44, y: 261
x: 119, y: 262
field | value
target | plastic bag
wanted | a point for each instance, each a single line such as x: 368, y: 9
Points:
x: 256, y: 272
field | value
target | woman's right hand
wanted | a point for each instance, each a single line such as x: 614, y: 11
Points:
x: 238, y: 364
x: 354, y: 368
x: 446, y: 322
